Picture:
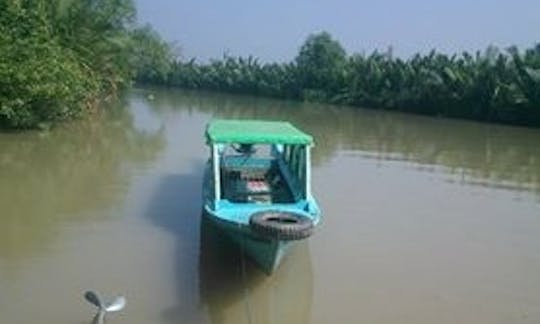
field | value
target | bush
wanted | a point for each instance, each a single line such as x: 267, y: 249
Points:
x: 40, y: 82
x: 59, y: 57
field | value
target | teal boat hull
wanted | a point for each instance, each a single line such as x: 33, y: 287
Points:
x: 267, y: 254
x: 234, y: 220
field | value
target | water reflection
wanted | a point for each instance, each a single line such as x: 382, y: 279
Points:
x: 175, y: 207
x: 234, y: 290
x: 474, y: 154
x: 49, y: 178
x: 213, y: 282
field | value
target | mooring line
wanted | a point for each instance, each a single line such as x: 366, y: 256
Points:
x: 244, y: 278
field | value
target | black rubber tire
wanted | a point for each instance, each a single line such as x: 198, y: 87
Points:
x: 281, y: 225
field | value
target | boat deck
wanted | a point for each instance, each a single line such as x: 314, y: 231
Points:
x: 260, y: 181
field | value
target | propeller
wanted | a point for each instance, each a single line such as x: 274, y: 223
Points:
x: 115, y: 305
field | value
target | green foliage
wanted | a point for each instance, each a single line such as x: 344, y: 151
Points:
x: 498, y: 86
x: 99, y: 32
x: 237, y: 75
x: 60, y: 56
x: 153, y: 57
x: 320, y: 64
x: 40, y: 81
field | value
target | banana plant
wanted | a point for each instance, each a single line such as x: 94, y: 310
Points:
x: 491, y: 85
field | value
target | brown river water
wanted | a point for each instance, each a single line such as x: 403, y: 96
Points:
x: 424, y: 220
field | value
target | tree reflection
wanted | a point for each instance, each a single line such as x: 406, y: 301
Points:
x: 49, y: 178
x: 233, y: 288
x: 477, y: 154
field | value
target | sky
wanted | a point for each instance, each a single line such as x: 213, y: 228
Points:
x: 273, y: 30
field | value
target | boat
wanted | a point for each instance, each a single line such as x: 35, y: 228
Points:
x: 257, y: 187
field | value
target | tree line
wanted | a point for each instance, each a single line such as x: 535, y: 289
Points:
x: 60, y: 58
x: 494, y: 85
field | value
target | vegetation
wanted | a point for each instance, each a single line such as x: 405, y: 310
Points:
x: 498, y: 86
x: 60, y: 56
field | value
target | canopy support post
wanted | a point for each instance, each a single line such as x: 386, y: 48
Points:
x: 217, y: 184
x: 308, y: 171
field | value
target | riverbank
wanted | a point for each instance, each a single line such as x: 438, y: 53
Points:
x: 61, y: 59
x: 501, y: 86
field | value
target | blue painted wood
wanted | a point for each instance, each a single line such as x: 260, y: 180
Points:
x: 233, y: 217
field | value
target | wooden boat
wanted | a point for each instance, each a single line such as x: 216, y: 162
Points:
x: 257, y: 186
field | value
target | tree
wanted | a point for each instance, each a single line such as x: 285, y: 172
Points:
x: 320, y: 64
x: 152, y: 56
x: 59, y: 57
x: 99, y: 32
x: 40, y: 81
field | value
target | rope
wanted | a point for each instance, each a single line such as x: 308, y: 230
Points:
x: 244, y: 278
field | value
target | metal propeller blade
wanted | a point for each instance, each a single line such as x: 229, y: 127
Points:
x: 93, y: 298
x: 117, y: 304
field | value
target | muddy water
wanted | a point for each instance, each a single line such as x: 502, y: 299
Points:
x: 425, y: 220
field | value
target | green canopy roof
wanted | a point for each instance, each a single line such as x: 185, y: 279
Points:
x: 255, y: 131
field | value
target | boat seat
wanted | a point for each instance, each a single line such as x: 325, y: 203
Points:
x: 254, y: 185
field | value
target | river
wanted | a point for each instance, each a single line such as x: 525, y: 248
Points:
x: 425, y: 220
